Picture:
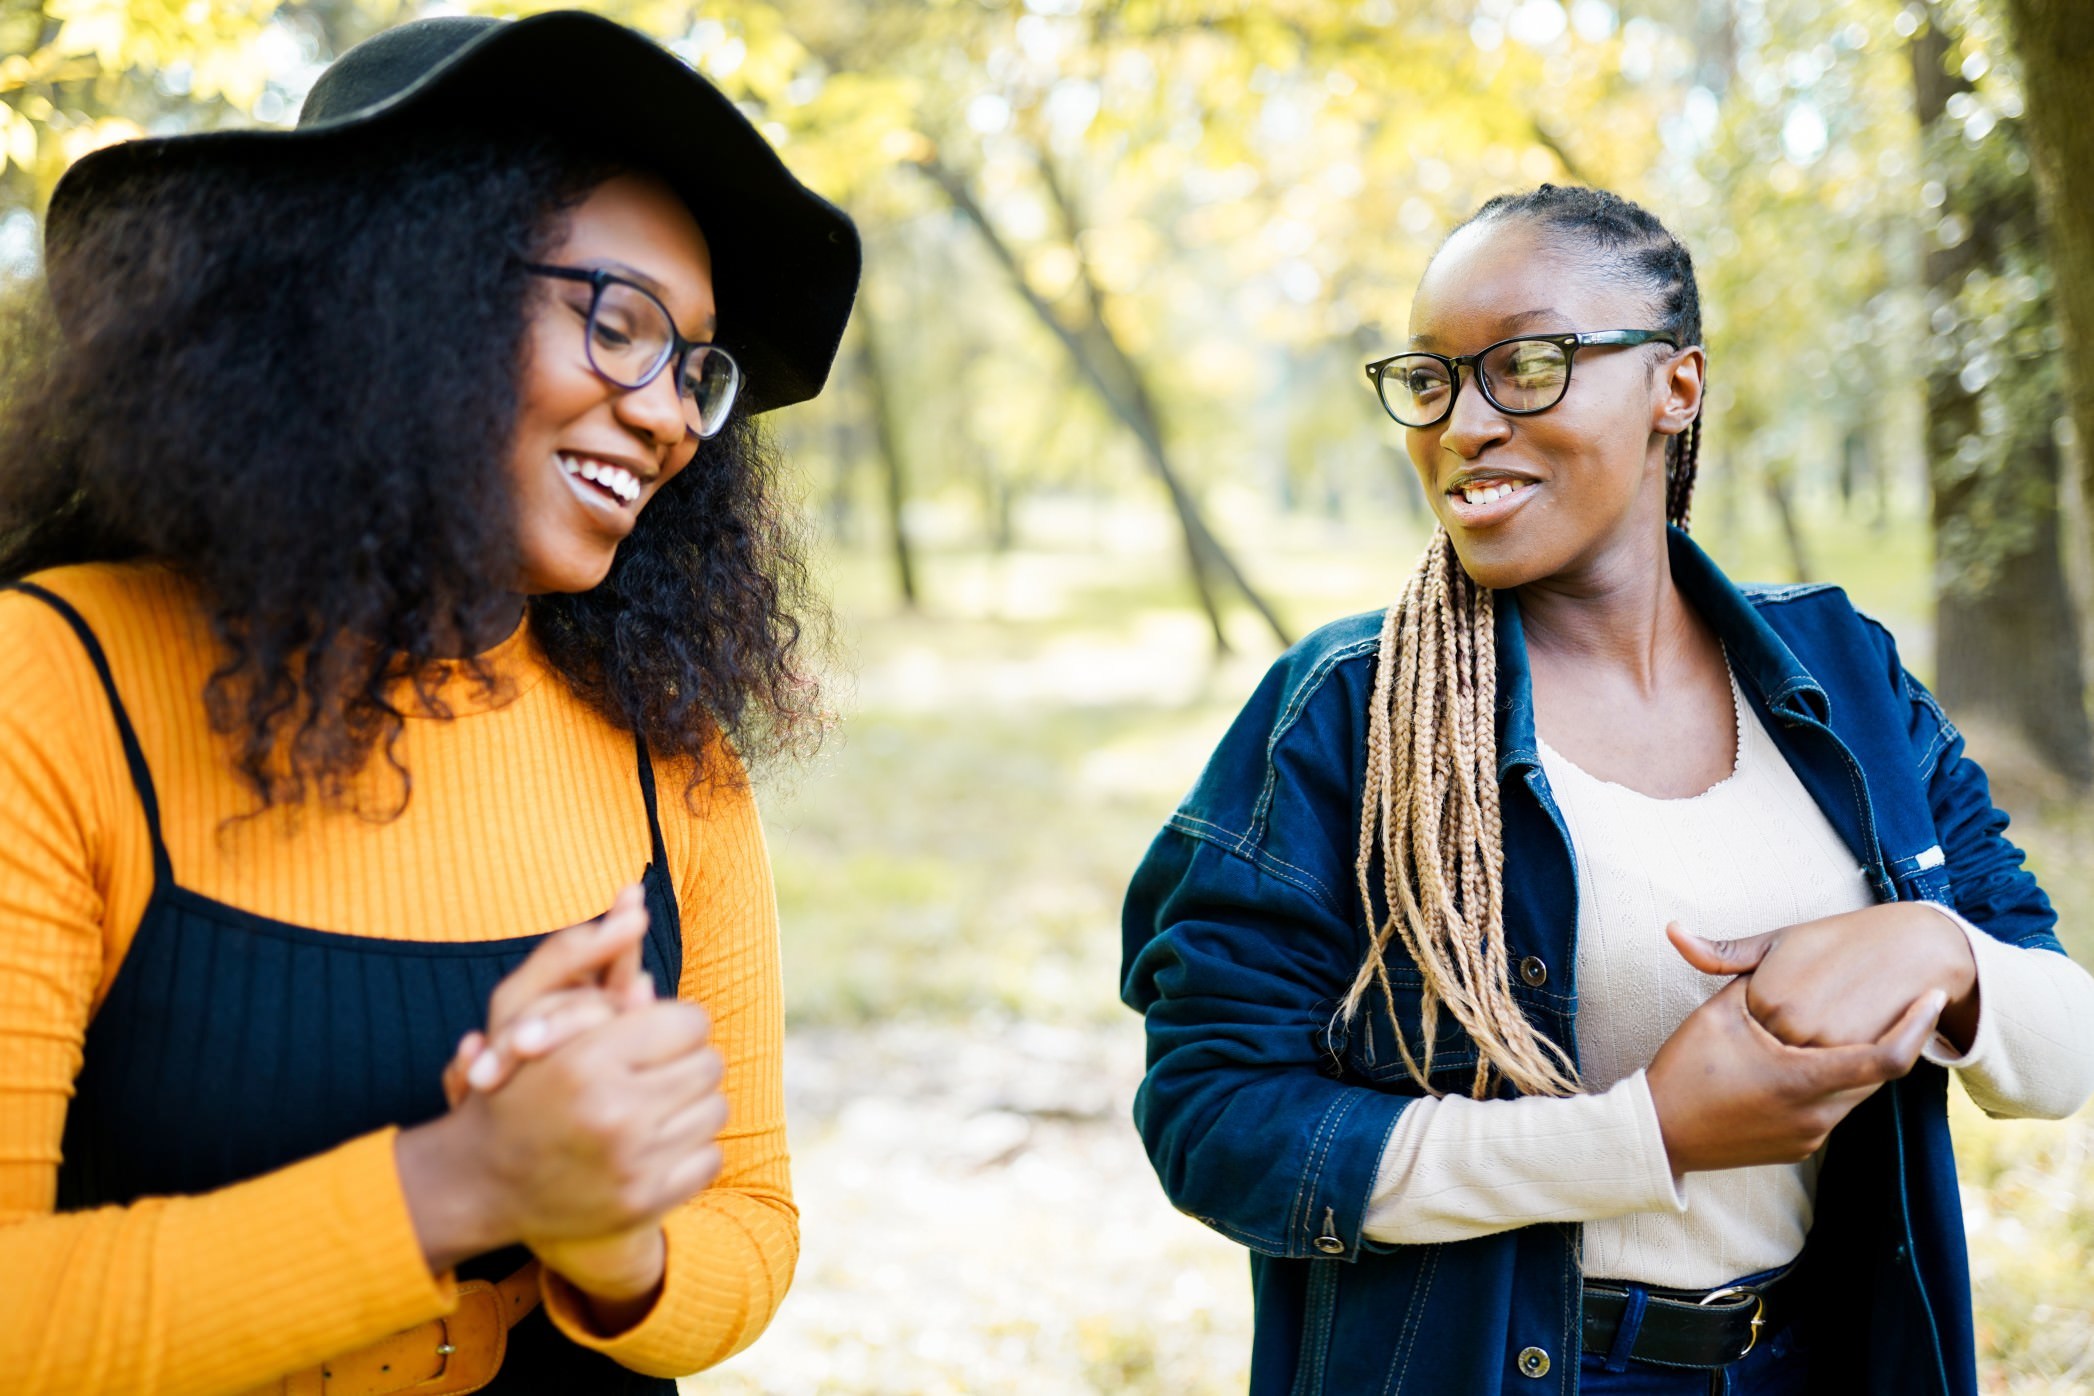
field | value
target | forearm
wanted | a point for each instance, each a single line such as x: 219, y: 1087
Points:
x: 219, y: 1292
x: 2031, y: 1042
x: 1455, y: 1168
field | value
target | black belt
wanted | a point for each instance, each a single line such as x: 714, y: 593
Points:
x: 1687, y: 1328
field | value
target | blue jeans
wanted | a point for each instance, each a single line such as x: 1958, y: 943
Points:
x: 1776, y: 1366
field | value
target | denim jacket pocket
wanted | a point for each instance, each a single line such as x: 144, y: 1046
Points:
x: 1364, y: 1049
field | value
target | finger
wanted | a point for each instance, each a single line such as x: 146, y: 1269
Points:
x: 698, y: 1123
x: 579, y: 955
x: 1889, y: 1056
x: 548, y: 1025
x: 456, y: 1087
x: 694, y: 1173
x: 654, y: 1034
x: 639, y: 993
x: 688, y: 1079
x: 624, y: 969
x: 1740, y: 956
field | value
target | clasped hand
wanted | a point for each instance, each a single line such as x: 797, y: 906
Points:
x: 1819, y: 1016
x: 585, y: 1111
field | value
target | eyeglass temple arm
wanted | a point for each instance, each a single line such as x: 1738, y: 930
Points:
x: 1599, y: 337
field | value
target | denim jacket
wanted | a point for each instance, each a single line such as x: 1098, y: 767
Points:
x: 1266, y: 1119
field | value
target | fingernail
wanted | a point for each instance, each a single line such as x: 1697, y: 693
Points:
x: 1937, y: 1001
x: 530, y: 1034
x: 482, y: 1073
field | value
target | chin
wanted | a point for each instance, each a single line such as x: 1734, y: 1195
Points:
x: 1497, y: 562
x: 567, y: 574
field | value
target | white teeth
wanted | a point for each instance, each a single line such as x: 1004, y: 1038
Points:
x: 1485, y: 494
x: 615, y: 478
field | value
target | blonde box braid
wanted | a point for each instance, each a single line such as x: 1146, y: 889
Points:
x: 1431, y: 812
x: 1429, y: 816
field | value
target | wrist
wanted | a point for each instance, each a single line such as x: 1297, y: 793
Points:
x: 1957, y: 975
x: 616, y: 1281
x: 451, y: 1201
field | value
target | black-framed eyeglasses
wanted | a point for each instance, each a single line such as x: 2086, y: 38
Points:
x: 1520, y: 376
x: 630, y: 338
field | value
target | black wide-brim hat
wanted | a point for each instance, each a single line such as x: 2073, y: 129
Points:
x: 785, y: 260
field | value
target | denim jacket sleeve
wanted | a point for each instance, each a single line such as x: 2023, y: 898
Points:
x: 1241, y: 935
x: 1981, y: 872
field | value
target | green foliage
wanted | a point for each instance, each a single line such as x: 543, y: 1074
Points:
x: 1245, y: 195
x: 1994, y: 334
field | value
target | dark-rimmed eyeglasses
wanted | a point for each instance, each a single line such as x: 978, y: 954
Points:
x: 631, y: 337
x: 1520, y: 376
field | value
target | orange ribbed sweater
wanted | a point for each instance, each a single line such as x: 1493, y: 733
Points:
x: 526, y: 816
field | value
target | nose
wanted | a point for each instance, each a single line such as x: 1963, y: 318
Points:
x: 654, y: 409
x: 1475, y: 423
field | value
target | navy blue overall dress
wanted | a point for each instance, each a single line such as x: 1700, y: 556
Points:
x: 231, y: 1045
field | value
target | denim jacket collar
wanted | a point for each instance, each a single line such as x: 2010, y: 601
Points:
x: 1762, y: 661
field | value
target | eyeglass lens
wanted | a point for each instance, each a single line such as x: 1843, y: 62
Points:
x: 631, y: 339
x: 1520, y: 375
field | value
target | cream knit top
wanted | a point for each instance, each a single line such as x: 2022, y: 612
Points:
x: 1752, y: 853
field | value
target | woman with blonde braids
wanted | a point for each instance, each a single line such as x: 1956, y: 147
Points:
x: 1554, y: 981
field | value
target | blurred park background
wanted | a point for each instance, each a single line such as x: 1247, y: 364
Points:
x: 1100, y: 445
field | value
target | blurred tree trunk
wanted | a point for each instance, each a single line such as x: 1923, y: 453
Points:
x: 1112, y: 373
x: 2054, y: 40
x: 888, y: 438
x: 2007, y: 633
x: 1791, y: 531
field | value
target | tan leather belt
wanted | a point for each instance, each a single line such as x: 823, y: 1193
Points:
x: 443, y: 1357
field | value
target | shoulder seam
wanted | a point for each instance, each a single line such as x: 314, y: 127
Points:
x: 1243, y: 849
x: 1291, y: 713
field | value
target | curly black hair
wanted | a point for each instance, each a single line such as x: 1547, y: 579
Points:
x: 1631, y: 238
x: 297, y: 382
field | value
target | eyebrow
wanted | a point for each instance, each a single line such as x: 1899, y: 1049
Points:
x: 659, y: 291
x: 1513, y: 322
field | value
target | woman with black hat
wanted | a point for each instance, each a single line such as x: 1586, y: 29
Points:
x: 392, y: 575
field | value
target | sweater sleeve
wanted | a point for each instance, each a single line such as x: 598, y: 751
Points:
x: 732, y: 1248
x: 171, y: 1295
x: 2033, y: 1054
x: 1456, y: 1168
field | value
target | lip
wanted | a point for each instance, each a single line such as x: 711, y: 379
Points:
x: 1492, y: 512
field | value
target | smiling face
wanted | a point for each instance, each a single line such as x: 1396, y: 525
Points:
x: 589, y: 455
x: 1530, y: 497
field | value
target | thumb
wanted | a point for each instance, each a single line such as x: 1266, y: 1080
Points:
x: 1908, y: 1036
x: 1741, y: 956
x: 1869, y: 1064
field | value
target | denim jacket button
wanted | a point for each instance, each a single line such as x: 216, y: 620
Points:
x: 1328, y: 1242
x: 1534, y: 973
x: 1533, y: 1362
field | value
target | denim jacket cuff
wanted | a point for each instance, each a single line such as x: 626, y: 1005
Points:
x: 1343, y: 1164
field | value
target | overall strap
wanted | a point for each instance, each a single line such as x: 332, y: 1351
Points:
x: 654, y: 817
x: 134, y: 755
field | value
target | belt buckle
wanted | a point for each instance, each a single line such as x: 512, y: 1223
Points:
x: 1759, y: 1311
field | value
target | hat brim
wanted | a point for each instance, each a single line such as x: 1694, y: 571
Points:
x: 785, y: 260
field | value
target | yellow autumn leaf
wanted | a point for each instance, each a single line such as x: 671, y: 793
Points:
x: 81, y: 140
x: 17, y: 139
